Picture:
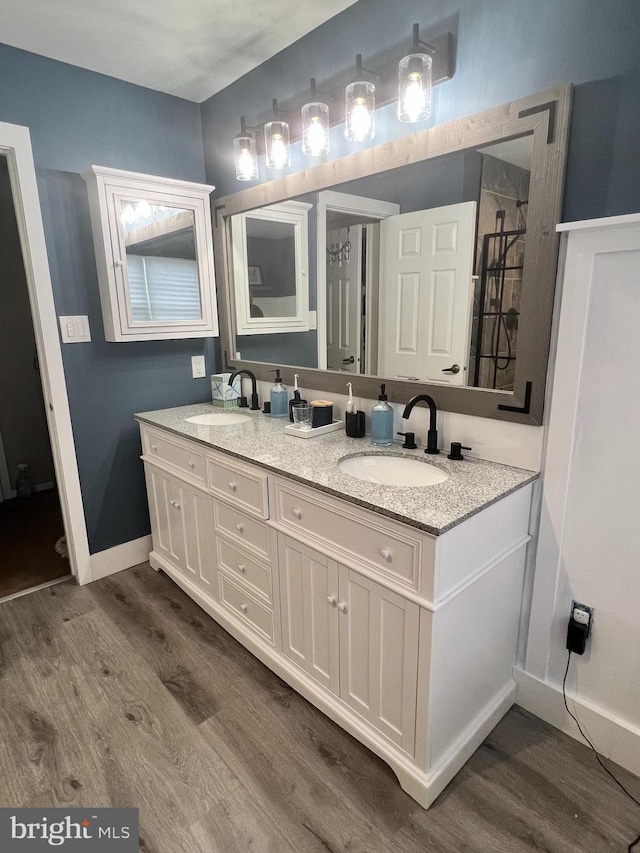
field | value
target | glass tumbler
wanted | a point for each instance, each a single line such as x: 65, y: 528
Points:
x: 302, y: 415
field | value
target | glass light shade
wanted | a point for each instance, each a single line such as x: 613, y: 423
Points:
x: 360, y: 111
x: 244, y: 152
x: 414, y: 87
x: 276, y: 143
x: 315, y: 129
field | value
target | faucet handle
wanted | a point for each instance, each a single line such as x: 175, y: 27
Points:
x: 243, y: 403
x: 456, y: 451
x: 409, y: 440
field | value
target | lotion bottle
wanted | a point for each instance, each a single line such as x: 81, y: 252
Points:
x: 279, y: 398
x: 382, y: 421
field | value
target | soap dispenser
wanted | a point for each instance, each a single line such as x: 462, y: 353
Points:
x: 279, y: 398
x: 382, y: 420
x: 296, y: 397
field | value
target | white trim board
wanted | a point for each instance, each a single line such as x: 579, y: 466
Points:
x: 613, y: 738
x: 15, y: 144
x: 121, y: 557
x: 604, y: 222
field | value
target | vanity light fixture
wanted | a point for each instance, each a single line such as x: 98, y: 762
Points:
x: 414, y: 81
x: 315, y: 126
x: 276, y: 141
x: 360, y: 108
x: 245, y: 155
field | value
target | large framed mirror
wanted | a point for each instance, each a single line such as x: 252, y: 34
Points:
x: 432, y: 263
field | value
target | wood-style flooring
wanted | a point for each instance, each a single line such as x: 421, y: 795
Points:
x: 29, y: 530
x: 125, y: 693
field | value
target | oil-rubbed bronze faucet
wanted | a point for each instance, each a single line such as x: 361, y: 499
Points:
x: 255, y: 405
x: 432, y: 435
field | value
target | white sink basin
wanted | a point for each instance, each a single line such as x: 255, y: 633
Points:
x: 218, y: 419
x: 392, y: 471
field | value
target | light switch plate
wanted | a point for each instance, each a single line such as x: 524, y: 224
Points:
x: 198, y: 370
x: 75, y: 330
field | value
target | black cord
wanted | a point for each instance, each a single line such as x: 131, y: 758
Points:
x: 599, y: 760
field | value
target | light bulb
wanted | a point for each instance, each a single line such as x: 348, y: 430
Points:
x: 244, y: 149
x: 360, y: 116
x: 414, y: 87
x: 276, y: 141
x: 315, y: 129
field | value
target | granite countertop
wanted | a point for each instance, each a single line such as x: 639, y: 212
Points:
x: 473, y: 484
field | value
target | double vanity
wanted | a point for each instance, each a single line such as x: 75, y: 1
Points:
x: 393, y: 609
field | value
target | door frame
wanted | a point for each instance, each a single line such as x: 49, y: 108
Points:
x: 15, y: 144
x: 345, y: 203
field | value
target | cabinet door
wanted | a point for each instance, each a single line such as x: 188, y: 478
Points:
x: 379, y: 656
x: 309, y: 597
x: 182, y: 526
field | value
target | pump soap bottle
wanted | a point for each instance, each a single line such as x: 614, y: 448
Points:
x: 382, y: 420
x: 279, y: 398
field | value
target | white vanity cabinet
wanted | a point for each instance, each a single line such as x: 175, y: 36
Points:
x: 405, y: 639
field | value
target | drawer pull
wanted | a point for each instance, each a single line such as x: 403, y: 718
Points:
x: 192, y: 464
x: 386, y: 554
x: 239, y: 528
x: 242, y: 569
x: 297, y: 513
x: 342, y: 607
x: 332, y: 600
x: 244, y: 608
x: 233, y: 487
x: 154, y: 447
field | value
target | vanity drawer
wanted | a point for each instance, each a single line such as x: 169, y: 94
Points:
x: 251, y: 572
x: 243, y: 529
x: 247, y: 608
x: 160, y: 447
x: 358, y: 537
x: 245, y: 487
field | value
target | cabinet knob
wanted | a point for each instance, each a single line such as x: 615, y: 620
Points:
x: 297, y: 513
x: 192, y: 464
x: 176, y: 504
x: 117, y: 263
x: 244, y: 608
x: 172, y: 502
x: 242, y: 569
x: 342, y: 607
x: 332, y: 600
x: 154, y: 447
x: 239, y: 528
x: 386, y: 554
x: 233, y: 487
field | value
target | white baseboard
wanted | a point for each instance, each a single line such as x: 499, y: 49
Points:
x: 113, y: 560
x: 614, y: 738
x: 43, y: 487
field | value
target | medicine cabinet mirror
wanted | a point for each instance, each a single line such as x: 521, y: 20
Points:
x: 432, y: 264
x: 271, y: 269
x: 152, y: 238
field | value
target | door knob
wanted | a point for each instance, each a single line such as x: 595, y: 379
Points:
x: 349, y: 360
x: 455, y: 368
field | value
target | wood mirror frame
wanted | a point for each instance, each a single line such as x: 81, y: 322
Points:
x: 545, y: 115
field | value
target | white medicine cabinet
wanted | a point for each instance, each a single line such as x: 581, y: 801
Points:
x: 271, y: 269
x: 153, y: 244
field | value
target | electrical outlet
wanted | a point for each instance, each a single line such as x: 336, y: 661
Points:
x: 583, y: 615
x: 198, y: 370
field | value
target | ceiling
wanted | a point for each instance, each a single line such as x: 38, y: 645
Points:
x: 188, y: 48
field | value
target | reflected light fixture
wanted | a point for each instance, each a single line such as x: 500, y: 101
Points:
x: 414, y: 82
x: 315, y: 126
x: 360, y: 108
x: 276, y: 141
x: 244, y: 152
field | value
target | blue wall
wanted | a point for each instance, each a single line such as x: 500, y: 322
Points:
x: 78, y: 118
x: 506, y: 49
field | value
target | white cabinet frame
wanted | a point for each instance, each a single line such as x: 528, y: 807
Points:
x: 296, y: 214
x: 107, y: 188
